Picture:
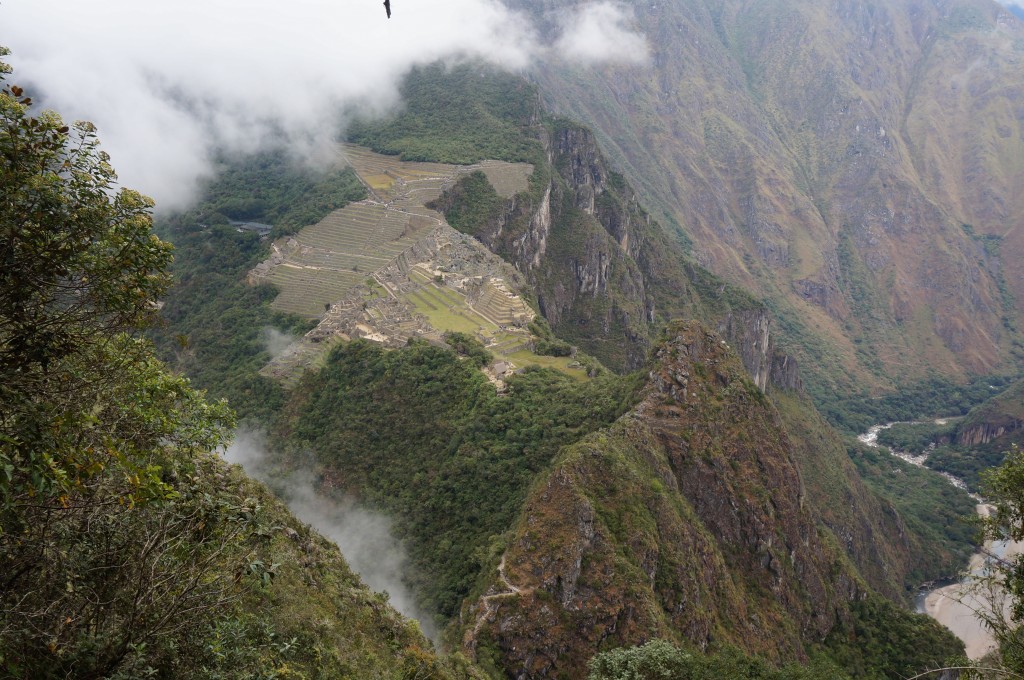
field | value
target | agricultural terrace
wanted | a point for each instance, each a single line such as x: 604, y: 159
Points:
x: 323, y: 262
x: 508, y: 179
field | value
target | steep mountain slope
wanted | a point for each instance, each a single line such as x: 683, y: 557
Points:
x: 828, y: 156
x: 686, y: 519
x: 899, y: 525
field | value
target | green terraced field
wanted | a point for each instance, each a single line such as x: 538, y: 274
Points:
x: 337, y: 253
x: 508, y: 179
x: 447, y: 310
x: 527, y: 358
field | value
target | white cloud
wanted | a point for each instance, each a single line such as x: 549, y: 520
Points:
x: 363, y: 536
x: 166, y: 81
x: 601, y: 32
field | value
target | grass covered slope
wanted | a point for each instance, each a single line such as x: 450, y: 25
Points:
x: 298, y: 610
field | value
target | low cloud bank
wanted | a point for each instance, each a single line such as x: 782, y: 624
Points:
x: 169, y: 83
x: 364, y: 537
x: 600, y: 32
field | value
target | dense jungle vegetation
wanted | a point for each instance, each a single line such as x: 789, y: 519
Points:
x: 273, y: 188
x: 420, y: 433
x: 461, y: 115
x: 130, y: 548
x: 933, y: 398
x: 215, y: 324
x: 932, y: 507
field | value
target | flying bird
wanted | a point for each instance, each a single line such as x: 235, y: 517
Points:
x: 387, y: 7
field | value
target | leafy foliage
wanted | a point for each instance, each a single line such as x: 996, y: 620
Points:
x: 270, y: 187
x: 422, y: 434
x: 553, y: 348
x: 130, y: 549
x: 215, y: 325
x: 931, y: 507
x: 458, y: 115
x: 468, y: 346
x: 968, y: 464
x: 1004, y: 487
x: 882, y: 640
x: 930, y: 398
x: 81, y: 268
x: 661, y: 660
x: 915, y: 437
x: 92, y: 522
x: 473, y: 203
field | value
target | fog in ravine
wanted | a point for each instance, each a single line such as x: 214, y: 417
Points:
x: 364, y: 536
x: 171, y: 84
x: 276, y: 342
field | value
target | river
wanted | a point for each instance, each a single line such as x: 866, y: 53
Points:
x: 955, y: 605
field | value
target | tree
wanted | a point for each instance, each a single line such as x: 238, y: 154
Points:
x: 661, y: 660
x: 1004, y: 591
x: 80, y: 269
x: 117, y: 543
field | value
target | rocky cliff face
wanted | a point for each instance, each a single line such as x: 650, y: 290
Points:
x: 606, y: 276
x: 1001, y: 417
x: 750, y: 333
x: 830, y: 157
x: 687, y: 519
x: 983, y: 434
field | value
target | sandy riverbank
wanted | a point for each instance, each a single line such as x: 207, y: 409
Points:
x: 954, y: 605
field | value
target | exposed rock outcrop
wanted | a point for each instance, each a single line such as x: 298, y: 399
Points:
x: 749, y: 332
x: 1000, y: 418
x: 605, y: 275
x: 985, y: 433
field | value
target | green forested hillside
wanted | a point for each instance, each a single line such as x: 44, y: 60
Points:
x: 687, y: 519
x: 131, y: 549
x: 215, y: 325
x: 420, y: 433
x: 459, y: 115
x: 272, y: 188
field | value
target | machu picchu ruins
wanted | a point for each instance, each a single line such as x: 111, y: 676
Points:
x: 388, y: 269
